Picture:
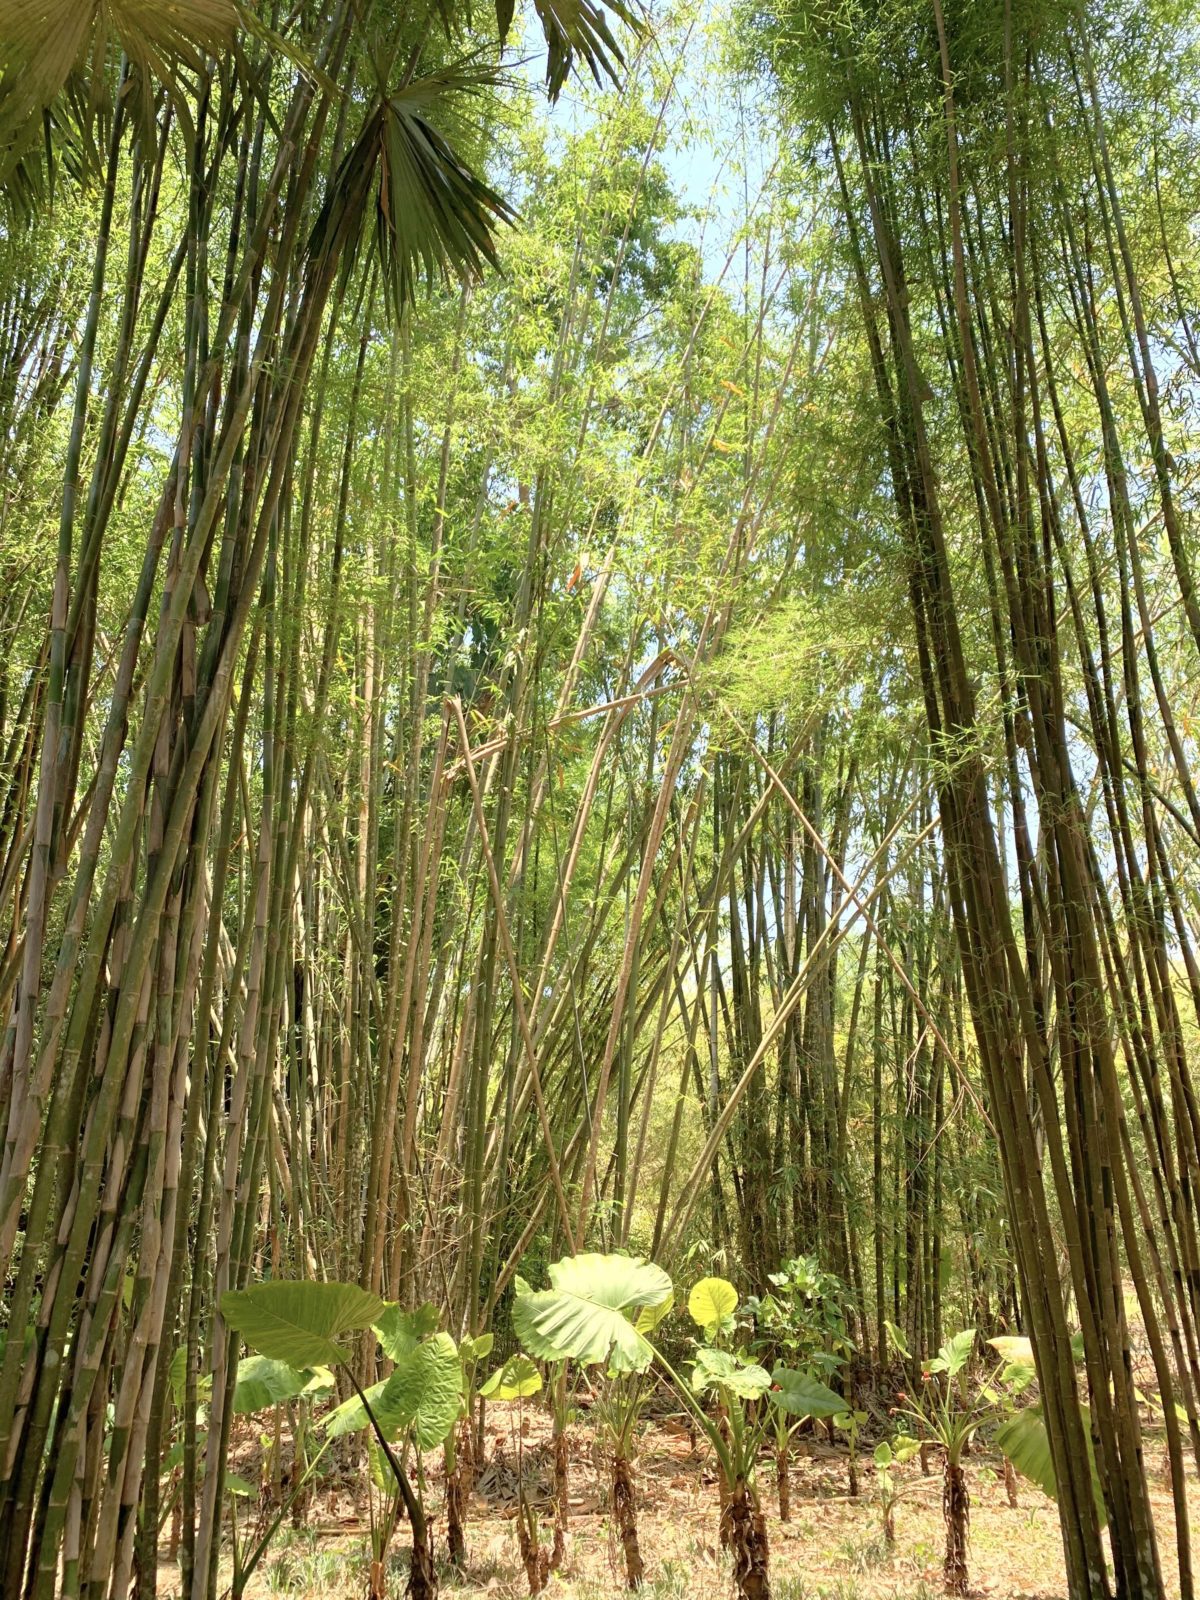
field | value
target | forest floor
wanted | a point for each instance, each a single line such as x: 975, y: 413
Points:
x: 831, y: 1549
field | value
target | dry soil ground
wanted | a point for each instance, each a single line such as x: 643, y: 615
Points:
x: 832, y: 1548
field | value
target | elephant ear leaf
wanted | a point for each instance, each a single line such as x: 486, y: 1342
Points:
x: 473, y: 1349
x: 299, y: 1322
x: 718, y: 1369
x: 400, y: 1331
x: 262, y: 1382
x: 587, y: 1314
x: 803, y: 1396
x: 351, y: 1415
x: 896, y: 1340
x: 517, y: 1379
x: 649, y: 1317
x: 1024, y: 1440
x: 1013, y: 1347
x: 712, y: 1303
x: 426, y: 1390
x: 423, y: 1395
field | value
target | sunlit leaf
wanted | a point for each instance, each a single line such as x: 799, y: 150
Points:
x: 587, y: 1313
x: 712, y: 1302
x: 517, y: 1379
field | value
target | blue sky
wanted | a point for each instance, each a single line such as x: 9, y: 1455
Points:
x: 714, y: 153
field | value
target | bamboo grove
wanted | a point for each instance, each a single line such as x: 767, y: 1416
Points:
x: 538, y: 717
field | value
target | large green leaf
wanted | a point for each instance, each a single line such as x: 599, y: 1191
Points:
x: 954, y: 1354
x: 649, y: 1317
x: 426, y: 1389
x: 178, y: 1378
x: 1024, y: 1440
x: 576, y: 28
x: 422, y: 1396
x: 401, y: 1331
x: 801, y: 1395
x: 517, y: 1379
x: 1013, y: 1347
x: 300, y: 1322
x: 262, y: 1382
x: 1016, y: 1352
x: 712, y: 1303
x: 586, y: 1315
x: 351, y: 1415
x: 435, y: 219
x: 718, y: 1369
x: 476, y: 1348
x: 896, y: 1339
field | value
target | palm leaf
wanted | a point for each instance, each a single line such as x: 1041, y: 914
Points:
x: 576, y: 28
x: 435, y: 220
x: 58, y: 75
x: 57, y: 58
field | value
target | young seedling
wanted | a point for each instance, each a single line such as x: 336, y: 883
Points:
x: 851, y: 1421
x: 560, y: 1410
x: 888, y: 1490
x: 797, y: 1397
x: 459, y: 1449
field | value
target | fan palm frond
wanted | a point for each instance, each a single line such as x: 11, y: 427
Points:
x: 56, y: 70
x: 435, y: 219
x: 579, y: 28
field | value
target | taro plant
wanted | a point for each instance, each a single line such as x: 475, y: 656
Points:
x: 749, y: 1402
x: 891, y: 1453
x: 518, y: 1379
x: 1013, y: 1376
x: 1022, y: 1437
x: 850, y: 1420
x: 948, y: 1415
x: 560, y: 1412
x: 459, y: 1448
x: 415, y: 1407
x: 736, y: 1435
x: 301, y: 1324
x: 598, y: 1312
x: 796, y: 1398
